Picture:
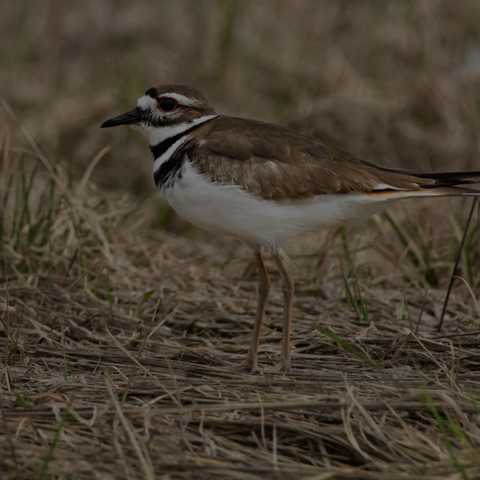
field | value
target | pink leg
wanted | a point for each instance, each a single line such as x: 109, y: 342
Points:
x: 250, y: 363
x: 285, y: 364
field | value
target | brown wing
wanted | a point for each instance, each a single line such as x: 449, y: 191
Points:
x: 280, y: 164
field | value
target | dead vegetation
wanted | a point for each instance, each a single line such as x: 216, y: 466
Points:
x: 123, y: 344
x: 118, y: 341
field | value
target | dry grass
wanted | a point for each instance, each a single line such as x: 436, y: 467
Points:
x: 133, y: 338
x: 118, y: 340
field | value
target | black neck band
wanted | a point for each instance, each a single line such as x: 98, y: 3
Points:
x: 160, y: 148
x: 170, y: 168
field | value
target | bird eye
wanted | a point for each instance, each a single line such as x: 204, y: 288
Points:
x: 167, y: 104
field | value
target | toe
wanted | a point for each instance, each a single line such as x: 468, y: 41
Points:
x: 248, y: 366
x: 284, y: 366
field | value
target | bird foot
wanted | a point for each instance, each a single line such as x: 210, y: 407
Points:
x: 249, y: 366
x: 284, y: 365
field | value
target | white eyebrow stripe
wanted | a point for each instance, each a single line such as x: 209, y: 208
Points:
x: 181, y: 99
x: 147, y: 102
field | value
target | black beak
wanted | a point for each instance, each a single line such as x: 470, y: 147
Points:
x: 133, y: 116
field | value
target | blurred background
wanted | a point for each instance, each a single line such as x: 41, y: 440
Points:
x: 397, y: 83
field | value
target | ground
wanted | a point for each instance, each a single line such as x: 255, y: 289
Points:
x: 120, y: 348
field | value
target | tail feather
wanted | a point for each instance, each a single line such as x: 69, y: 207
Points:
x: 444, y: 179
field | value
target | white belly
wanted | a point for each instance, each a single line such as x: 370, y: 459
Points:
x: 227, y: 209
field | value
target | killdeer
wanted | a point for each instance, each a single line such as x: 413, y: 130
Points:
x: 264, y: 183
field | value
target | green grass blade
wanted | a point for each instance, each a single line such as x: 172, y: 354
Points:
x: 53, y: 444
x: 64, y: 356
x: 442, y: 427
x: 403, y: 238
x: 349, y: 294
x: 110, y: 298
x: 349, y: 347
x: 18, y: 334
x: 147, y: 295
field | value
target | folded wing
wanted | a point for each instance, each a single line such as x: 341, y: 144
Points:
x: 280, y: 164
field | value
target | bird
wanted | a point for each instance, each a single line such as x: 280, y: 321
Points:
x: 266, y: 184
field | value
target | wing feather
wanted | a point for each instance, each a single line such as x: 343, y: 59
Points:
x: 280, y: 164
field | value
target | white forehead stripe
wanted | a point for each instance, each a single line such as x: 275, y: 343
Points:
x: 146, y: 102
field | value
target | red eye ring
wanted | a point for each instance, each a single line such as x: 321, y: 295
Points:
x: 167, y: 104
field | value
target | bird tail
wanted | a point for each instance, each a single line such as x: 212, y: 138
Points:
x: 441, y: 183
